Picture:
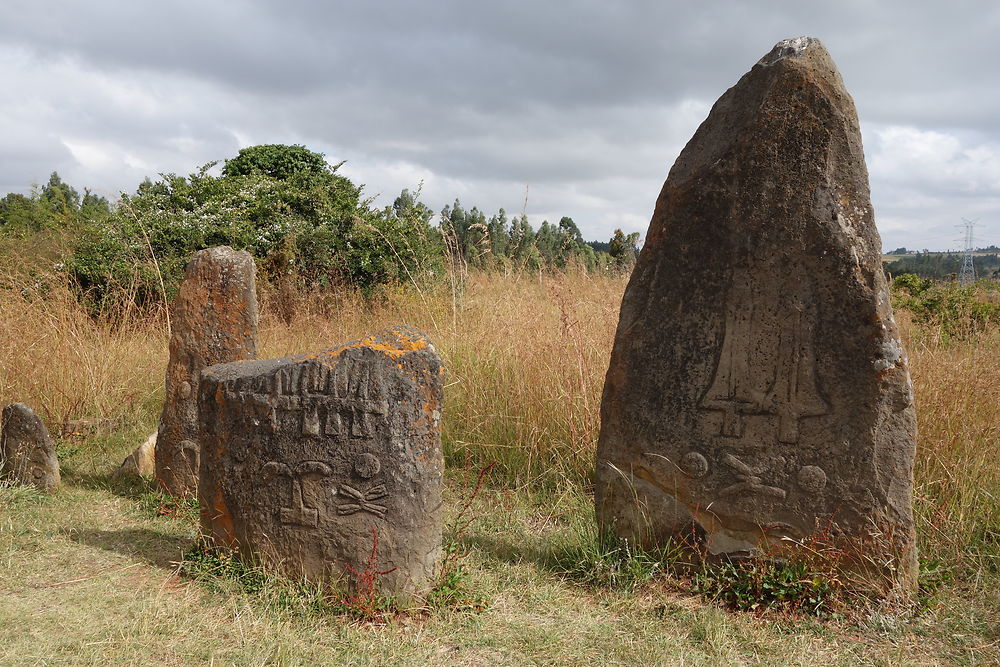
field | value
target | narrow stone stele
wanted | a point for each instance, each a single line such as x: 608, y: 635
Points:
x: 213, y: 320
x: 29, y: 455
x: 308, y: 460
x: 758, y: 395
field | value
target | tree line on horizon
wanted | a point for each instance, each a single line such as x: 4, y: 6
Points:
x: 308, y: 227
x: 944, y: 265
x: 501, y: 243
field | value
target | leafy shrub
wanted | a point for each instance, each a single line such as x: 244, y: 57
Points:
x: 911, y: 283
x: 301, y: 220
x: 275, y: 160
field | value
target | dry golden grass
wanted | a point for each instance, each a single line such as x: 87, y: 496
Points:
x: 957, y: 476
x: 67, y: 366
x: 526, y: 357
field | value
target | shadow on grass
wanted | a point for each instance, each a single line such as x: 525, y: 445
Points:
x: 582, y: 558
x: 159, y: 549
x: 508, y: 550
x: 130, y: 486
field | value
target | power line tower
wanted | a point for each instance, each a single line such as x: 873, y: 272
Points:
x: 968, y: 274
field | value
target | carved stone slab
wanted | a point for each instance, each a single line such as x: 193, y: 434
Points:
x: 304, y: 456
x: 214, y: 320
x: 28, y: 453
x: 757, y: 391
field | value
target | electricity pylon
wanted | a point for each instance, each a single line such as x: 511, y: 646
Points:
x: 967, y: 276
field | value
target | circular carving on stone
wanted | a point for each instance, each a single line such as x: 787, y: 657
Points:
x: 812, y: 479
x: 185, y: 389
x: 366, y: 465
x: 694, y: 464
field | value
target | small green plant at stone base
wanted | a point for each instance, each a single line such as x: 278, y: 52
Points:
x: 16, y: 495
x: 224, y: 570
x: 215, y: 566
x: 450, y: 590
x: 158, y: 503
x: 932, y: 575
x: 758, y: 584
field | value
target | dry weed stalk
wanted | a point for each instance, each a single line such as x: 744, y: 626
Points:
x: 453, y: 555
x: 364, y: 600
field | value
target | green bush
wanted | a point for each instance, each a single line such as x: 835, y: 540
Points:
x: 954, y: 311
x: 301, y: 220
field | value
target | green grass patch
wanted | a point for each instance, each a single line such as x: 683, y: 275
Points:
x: 759, y: 584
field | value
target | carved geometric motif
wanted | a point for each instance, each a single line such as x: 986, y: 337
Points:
x: 811, y: 479
x: 766, y: 364
x: 750, y: 480
x: 694, y: 465
x: 363, y: 500
x: 297, y: 512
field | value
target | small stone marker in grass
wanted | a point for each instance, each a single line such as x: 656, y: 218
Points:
x: 758, y: 395
x: 308, y: 460
x: 141, y: 462
x: 28, y: 453
x: 213, y: 321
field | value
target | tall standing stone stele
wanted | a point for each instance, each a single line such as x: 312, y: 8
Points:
x: 308, y: 460
x: 27, y: 453
x: 758, y: 394
x: 213, y: 321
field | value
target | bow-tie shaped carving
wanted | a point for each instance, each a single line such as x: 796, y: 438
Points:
x: 363, y: 500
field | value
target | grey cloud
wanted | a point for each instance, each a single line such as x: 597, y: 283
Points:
x: 587, y: 101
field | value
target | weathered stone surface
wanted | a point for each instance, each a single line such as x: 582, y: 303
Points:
x: 303, y: 457
x: 141, y: 462
x: 214, y: 320
x: 29, y: 455
x: 757, y: 389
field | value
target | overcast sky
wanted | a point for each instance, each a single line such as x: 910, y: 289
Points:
x: 584, y: 104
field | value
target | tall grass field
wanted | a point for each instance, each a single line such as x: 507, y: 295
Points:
x: 97, y: 571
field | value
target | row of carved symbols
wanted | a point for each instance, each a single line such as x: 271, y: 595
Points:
x: 330, y: 416
x: 298, y: 513
x: 345, y: 380
x: 361, y: 415
x: 810, y: 478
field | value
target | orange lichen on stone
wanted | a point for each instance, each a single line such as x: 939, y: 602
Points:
x: 223, y: 520
x: 394, y: 349
x: 393, y: 343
